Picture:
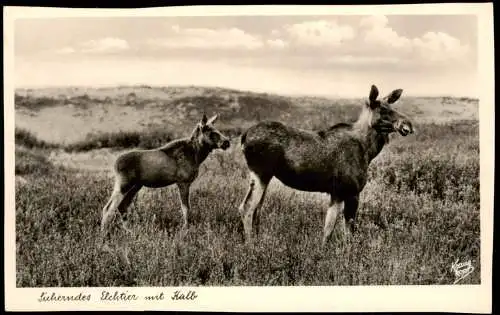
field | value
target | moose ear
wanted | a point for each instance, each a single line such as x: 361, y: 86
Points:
x: 213, y: 119
x: 394, y: 96
x: 373, y: 94
x: 204, y: 120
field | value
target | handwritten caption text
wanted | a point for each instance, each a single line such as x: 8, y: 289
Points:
x: 118, y: 296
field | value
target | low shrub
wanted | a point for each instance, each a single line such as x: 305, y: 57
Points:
x: 30, y: 162
x: 27, y: 139
x: 122, y: 140
x: 444, y: 178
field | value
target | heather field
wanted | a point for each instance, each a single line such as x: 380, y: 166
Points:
x: 418, y: 213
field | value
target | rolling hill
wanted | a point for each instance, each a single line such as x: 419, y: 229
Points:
x: 66, y: 115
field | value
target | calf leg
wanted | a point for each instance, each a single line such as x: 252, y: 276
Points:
x: 120, y: 199
x: 185, y: 203
x: 105, y: 218
x: 125, y: 203
x: 252, y: 203
x: 330, y: 219
x: 108, y: 211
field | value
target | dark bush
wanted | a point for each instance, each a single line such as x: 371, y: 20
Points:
x: 35, y: 103
x: 29, y: 140
x: 122, y: 140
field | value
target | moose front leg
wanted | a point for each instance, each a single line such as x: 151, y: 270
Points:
x: 185, y: 205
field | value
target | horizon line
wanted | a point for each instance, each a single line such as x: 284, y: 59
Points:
x: 255, y: 91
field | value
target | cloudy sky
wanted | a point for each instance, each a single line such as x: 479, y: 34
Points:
x: 315, y: 55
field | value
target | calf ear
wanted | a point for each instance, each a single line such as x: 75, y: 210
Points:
x: 204, y: 120
x: 394, y: 96
x: 213, y: 119
x: 373, y: 94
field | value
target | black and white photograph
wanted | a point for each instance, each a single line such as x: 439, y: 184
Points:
x: 225, y: 149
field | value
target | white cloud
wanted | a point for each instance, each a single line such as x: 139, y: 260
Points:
x: 108, y: 44
x: 388, y: 37
x: 374, y: 21
x: 379, y: 33
x: 372, y: 40
x: 320, y: 33
x: 103, y: 45
x: 226, y: 38
x: 439, y: 46
x: 429, y: 48
x: 65, y: 51
x: 276, y: 43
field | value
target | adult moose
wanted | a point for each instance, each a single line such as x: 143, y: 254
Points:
x: 177, y: 162
x: 333, y: 161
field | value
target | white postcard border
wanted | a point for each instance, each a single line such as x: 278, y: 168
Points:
x: 446, y: 298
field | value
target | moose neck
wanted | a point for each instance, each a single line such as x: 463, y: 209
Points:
x: 201, y: 150
x: 374, y: 141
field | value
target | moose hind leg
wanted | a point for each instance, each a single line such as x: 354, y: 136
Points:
x: 244, y: 204
x: 248, y: 195
x: 252, y: 203
x: 330, y: 219
x: 106, y: 206
x: 350, y: 209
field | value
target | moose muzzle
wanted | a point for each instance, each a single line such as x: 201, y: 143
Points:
x: 404, y: 127
x: 225, y: 144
